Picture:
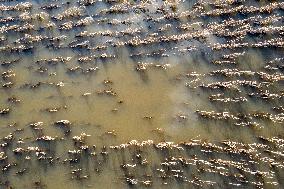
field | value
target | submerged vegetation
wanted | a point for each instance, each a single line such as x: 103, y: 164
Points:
x: 158, y: 94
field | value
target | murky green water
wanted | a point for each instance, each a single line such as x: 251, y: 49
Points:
x: 158, y: 94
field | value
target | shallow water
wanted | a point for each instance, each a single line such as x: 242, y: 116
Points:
x: 155, y: 94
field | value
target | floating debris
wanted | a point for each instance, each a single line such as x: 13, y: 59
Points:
x: 4, y: 111
x: 63, y: 123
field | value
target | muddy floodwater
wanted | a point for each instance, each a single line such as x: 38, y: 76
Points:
x: 141, y: 94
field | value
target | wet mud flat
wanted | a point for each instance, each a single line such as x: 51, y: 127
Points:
x: 141, y: 94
